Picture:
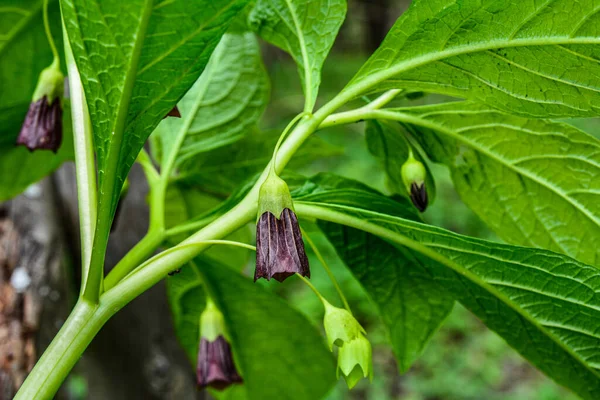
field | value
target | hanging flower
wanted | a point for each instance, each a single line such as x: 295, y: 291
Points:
x: 279, y: 247
x: 42, y: 128
x: 354, y: 349
x: 215, y: 368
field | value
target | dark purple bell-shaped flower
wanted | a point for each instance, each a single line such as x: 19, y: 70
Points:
x: 42, y: 128
x: 216, y: 368
x: 279, y: 247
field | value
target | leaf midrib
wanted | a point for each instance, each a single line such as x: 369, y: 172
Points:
x: 209, y: 70
x: 363, y: 84
x: 304, y: 51
x: 408, y: 118
x: 345, y: 219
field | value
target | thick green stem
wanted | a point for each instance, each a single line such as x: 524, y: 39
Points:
x: 77, y: 332
x: 137, y: 255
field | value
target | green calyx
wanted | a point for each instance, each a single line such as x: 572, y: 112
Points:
x: 355, y: 360
x: 340, y: 326
x: 212, y: 322
x: 50, y: 84
x: 274, y: 196
x: 413, y: 171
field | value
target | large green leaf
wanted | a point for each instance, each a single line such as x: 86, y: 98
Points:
x: 224, y: 104
x: 411, y: 305
x: 24, y: 53
x: 387, y: 141
x: 222, y: 170
x: 136, y: 60
x: 545, y: 305
x: 534, y: 182
x: 533, y: 58
x: 306, y: 29
x: 279, y: 353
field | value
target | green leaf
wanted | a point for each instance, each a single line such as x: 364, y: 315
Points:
x: 222, y: 170
x: 136, y: 60
x: 278, y: 351
x: 24, y: 53
x: 387, y: 141
x: 306, y: 29
x: 544, y: 304
x: 411, y: 305
x: 533, y: 182
x: 536, y: 59
x: 224, y: 104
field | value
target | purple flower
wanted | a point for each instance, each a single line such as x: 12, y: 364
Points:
x: 418, y: 196
x: 279, y: 247
x: 215, y: 364
x: 42, y: 128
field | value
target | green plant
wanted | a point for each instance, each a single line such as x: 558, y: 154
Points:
x: 516, y: 66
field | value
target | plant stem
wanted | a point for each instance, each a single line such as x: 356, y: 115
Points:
x: 56, y: 61
x: 361, y: 113
x: 66, y: 348
x: 137, y: 255
x: 312, y: 287
x: 85, y: 170
x: 327, y: 269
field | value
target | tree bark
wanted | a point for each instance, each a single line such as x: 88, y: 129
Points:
x: 136, y: 355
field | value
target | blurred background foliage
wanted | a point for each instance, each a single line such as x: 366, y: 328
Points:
x: 464, y: 360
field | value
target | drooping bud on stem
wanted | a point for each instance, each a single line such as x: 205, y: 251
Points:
x: 354, y: 353
x: 413, y: 176
x: 279, y: 247
x: 42, y: 128
x: 216, y: 368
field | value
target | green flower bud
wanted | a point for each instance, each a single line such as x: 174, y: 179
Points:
x: 340, y: 326
x: 355, y: 360
x: 413, y: 176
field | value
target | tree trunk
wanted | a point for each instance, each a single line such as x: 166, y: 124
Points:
x: 136, y: 355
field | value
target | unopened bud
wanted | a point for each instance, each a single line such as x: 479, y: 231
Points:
x: 413, y: 176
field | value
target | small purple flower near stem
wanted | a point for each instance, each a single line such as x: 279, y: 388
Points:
x: 279, y: 247
x: 42, y: 128
x: 216, y: 368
